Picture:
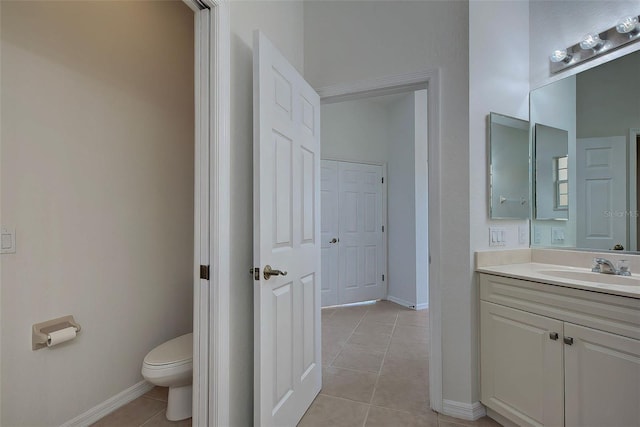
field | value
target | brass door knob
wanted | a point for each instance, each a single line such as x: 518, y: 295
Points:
x: 267, y: 272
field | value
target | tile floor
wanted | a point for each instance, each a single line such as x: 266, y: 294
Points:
x: 147, y: 410
x: 375, y: 374
x: 376, y: 370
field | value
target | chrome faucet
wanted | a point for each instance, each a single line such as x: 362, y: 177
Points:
x: 604, y: 266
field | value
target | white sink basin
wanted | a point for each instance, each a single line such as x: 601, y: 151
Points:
x: 587, y: 276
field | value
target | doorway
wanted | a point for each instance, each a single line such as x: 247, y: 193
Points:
x: 390, y: 130
x: 430, y: 80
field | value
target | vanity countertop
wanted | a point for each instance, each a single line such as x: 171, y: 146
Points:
x: 571, y: 277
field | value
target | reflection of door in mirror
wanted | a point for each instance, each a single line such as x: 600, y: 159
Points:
x: 601, y: 192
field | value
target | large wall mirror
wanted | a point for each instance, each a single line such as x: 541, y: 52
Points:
x: 596, y: 116
x: 509, y: 169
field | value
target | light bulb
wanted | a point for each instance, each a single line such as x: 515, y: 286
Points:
x: 559, y: 55
x: 627, y: 25
x: 591, y: 41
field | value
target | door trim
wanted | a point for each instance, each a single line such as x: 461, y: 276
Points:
x: 632, y: 187
x: 403, y: 83
x: 385, y: 248
x: 211, y: 358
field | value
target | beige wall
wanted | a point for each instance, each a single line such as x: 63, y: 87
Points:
x: 282, y: 22
x: 97, y: 179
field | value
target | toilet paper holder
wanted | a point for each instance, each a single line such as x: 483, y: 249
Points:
x: 41, y: 331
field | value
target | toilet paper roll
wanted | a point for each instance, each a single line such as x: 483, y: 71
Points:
x: 63, y: 335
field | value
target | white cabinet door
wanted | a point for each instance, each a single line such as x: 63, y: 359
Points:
x: 602, y: 378
x: 521, y: 365
x: 329, y: 231
x: 287, y: 366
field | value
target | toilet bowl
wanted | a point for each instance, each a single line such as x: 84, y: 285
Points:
x: 171, y: 365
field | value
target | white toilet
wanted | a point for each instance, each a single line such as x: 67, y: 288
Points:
x: 171, y: 365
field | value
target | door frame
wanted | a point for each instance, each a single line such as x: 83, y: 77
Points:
x: 211, y: 358
x: 404, y: 83
x: 632, y: 187
x: 383, y: 165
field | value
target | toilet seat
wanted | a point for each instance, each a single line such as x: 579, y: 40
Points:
x: 175, y: 352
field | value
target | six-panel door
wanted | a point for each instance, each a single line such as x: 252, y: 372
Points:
x: 287, y: 370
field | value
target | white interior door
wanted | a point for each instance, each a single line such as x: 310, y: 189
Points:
x: 601, y: 192
x: 353, y: 252
x: 361, y: 255
x: 288, y: 372
x: 329, y: 231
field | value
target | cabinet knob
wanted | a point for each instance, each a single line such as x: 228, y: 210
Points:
x: 553, y: 335
x: 568, y: 340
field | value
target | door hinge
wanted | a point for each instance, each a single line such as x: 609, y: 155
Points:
x: 383, y: 179
x: 383, y: 277
x: 383, y: 228
x: 255, y: 272
x: 204, y: 272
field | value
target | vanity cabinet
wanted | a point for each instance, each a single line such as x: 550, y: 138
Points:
x: 557, y: 356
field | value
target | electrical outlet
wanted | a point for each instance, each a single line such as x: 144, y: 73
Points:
x: 557, y: 235
x: 537, y: 235
x: 523, y: 234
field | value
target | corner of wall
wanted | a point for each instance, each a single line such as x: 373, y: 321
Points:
x: 421, y: 197
x: 1, y: 423
x: 494, y: 86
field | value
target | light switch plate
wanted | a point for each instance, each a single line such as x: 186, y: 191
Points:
x: 497, y: 236
x: 7, y: 240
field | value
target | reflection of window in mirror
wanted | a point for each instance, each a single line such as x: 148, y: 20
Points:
x: 561, y: 178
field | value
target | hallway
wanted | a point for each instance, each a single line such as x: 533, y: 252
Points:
x: 376, y: 370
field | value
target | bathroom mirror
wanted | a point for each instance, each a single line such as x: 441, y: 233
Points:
x: 509, y: 169
x: 599, y: 112
x: 551, y: 172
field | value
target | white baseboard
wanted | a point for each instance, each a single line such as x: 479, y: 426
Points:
x: 101, y: 410
x: 464, y: 411
x: 422, y: 306
x: 401, y: 302
x: 500, y: 419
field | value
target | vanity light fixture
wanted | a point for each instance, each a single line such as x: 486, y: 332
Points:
x: 560, y: 55
x: 591, y: 41
x: 594, y: 44
x: 628, y: 24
